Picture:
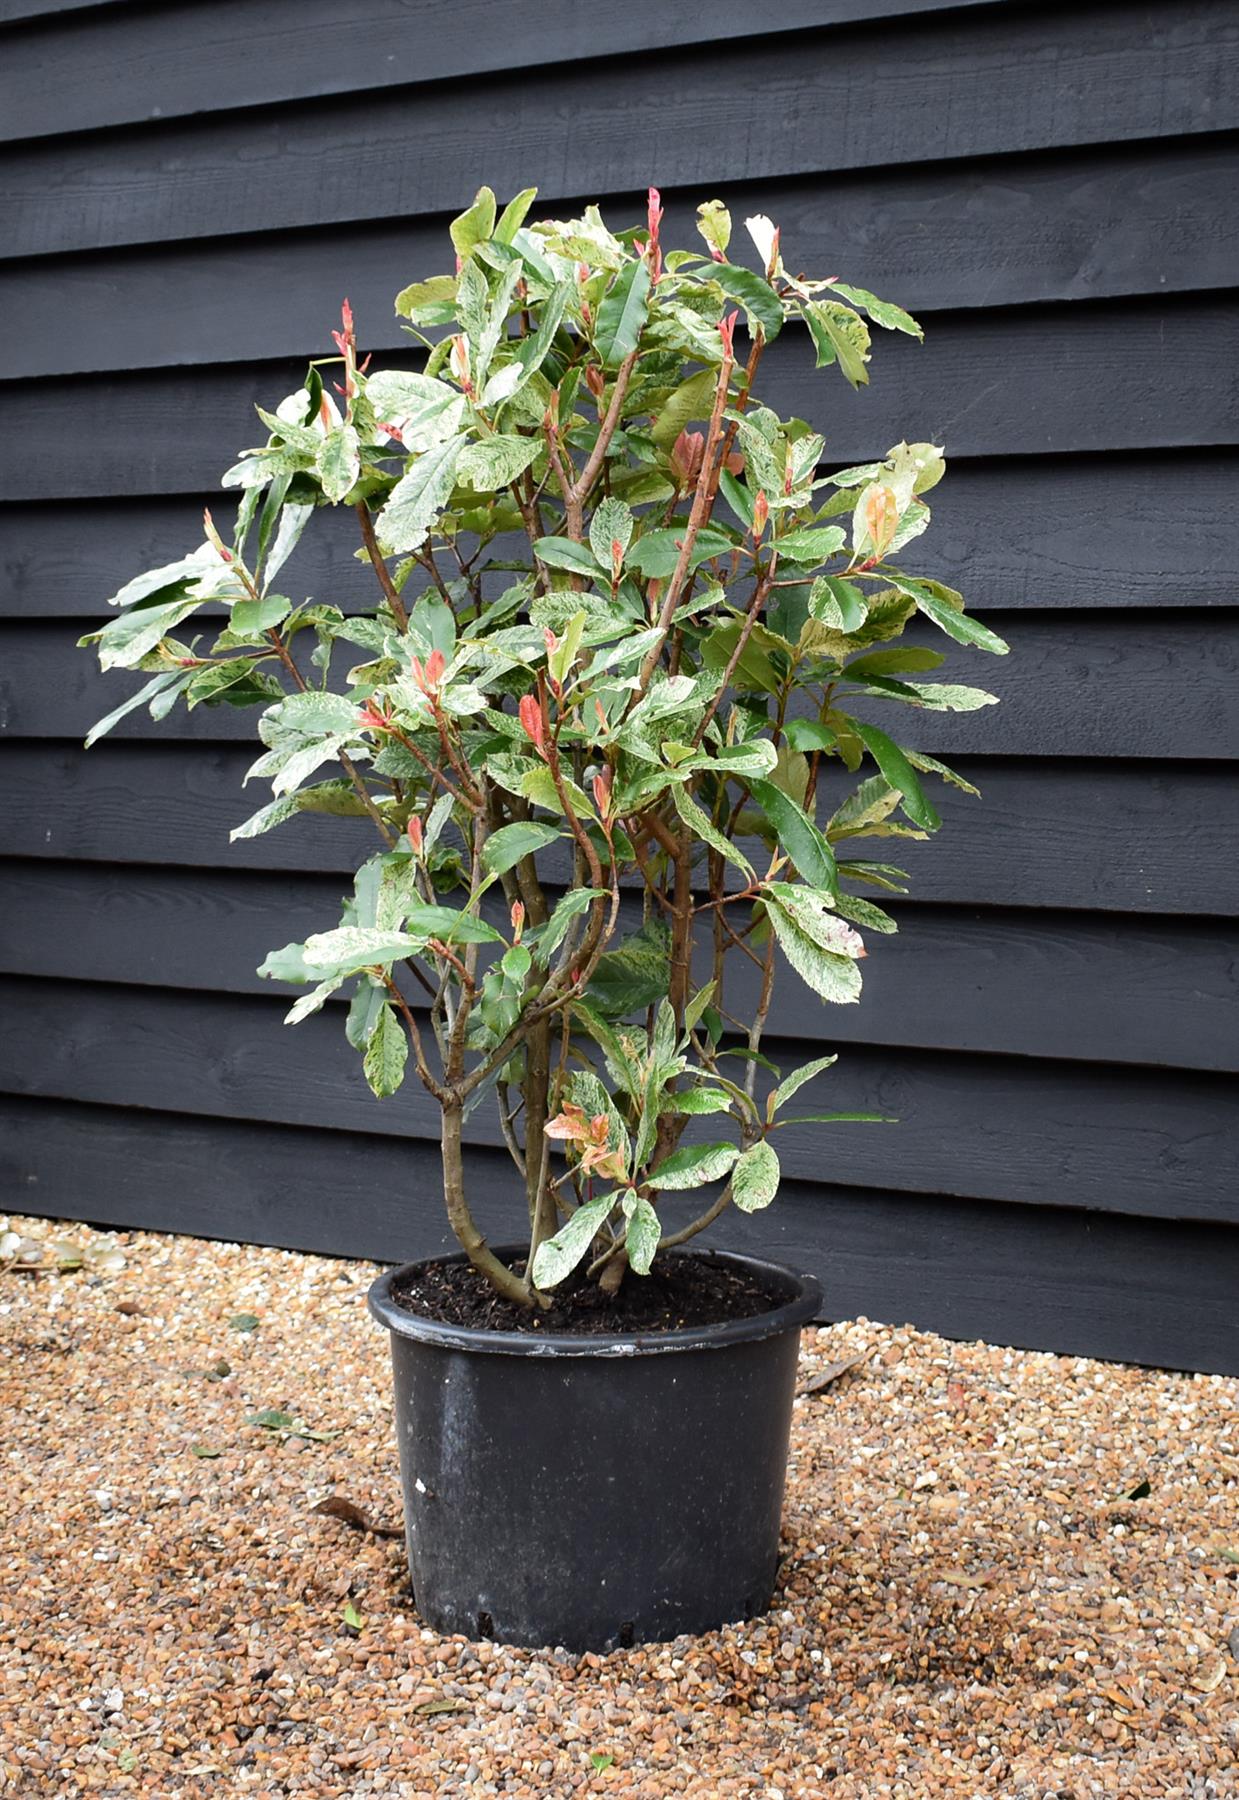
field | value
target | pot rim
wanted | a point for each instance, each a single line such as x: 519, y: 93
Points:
x: 802, y: 1304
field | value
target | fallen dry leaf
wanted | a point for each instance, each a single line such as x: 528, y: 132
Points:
x: 429, y: 1708
x: 832, y: 1372
x: 1211, y: 1677
x: 963, y: 1578
x: 337, y: 1507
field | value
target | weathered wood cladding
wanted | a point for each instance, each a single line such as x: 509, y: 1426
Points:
x: 1049, y: 186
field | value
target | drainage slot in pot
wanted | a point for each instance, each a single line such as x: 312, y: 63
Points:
x: 626, y: 1635
x: 486, y: 1626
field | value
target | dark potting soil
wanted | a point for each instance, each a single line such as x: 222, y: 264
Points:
x: 679, y: 1292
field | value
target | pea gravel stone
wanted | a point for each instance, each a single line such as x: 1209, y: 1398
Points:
x: 969, y: 1604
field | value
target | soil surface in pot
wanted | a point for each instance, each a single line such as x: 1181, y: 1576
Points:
x: 678, y: 1293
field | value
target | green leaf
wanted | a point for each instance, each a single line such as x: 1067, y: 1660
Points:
x: 900, y: 774
x: 837, y: 603
x: 754, y: 293
x: 622, y: 314
x: 386, y: 1054
x: 202, y: 561
x: 244, y: 1321
x: 838, y: 1118
x: 352, y: 947
x: 714, y: 224
x: 796, y: 1080
x: 755, y: 1178
x: 811, y: 545
x: 339, y: 461
x: 352, y: 1618
x: 798, y: 835
x: 934, y: 696
x: 418, y: 498
x: 656, y: 553
x: 250, y: 617
x: 692, y: 400
x: 451, y: 924
x: 496, y: 461
x: 557, y: 1256
x: 930, y: 600
x: 505, y: 847
x: 423, y: 410
x: 431, y: 302
x: 564, y: 553
x: 612, y: 523
x: 335, y: 797
x: 882, y: 312
x: 825, y: 961
x: 165, y: 683
x: 699, y: 1101
x: 514, y: 215
x: 809, y: 734
x: 634, y: 975
x: 475, y: 224
x: 893, y: 662
x: 839, y: 336
x: 703, y: 828
x: 929, y: 765
x: 693, y: 1166
x: 567, y: 908
x: 643, y: 1233
x: 125, y: 641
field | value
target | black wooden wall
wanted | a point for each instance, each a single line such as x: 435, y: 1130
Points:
x: 189, y: 190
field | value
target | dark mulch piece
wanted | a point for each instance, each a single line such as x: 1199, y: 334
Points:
x: 679, y: 1292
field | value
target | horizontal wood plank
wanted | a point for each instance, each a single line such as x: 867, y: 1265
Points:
x: 974, y: 84
x: 1096, y: 224
x: 1162, y: 686
x: 168, y: 62
x: 1155, y: 1143
x: 1024, y: 381
x: 1118, y: 838
x: 1081, y: 1283
x: 1020, y: 532
x: 1019, y: 982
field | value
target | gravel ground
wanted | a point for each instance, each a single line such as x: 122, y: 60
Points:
x: 971, y: 1605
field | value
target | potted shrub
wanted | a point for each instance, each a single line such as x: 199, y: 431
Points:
x: 610, y: 717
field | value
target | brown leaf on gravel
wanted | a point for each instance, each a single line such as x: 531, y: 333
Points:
x: 130, y: 1309
x: 832, y: 1373
x: 1211, y: 1677
x: 430, y: 1708
x: 963, y: 1578
x: 337, y: 1507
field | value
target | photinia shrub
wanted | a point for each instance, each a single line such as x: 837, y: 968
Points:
x: 600, y: 716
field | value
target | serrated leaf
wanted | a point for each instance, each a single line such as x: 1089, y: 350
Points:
x: 494, y: 462
x: 705, y: 831
x: 622, y: 313
x: 612, y: 523
x: 899, y: 772
x: 557, y: 1256
x: 338, y: 461
x: 839, y: 335
x: 418, y: 498
x: 755, y: 294
x: 830, y: 971
x: 641, y: 1237
x: 473, y: 226
x: 693, y: 1166
x: 837, y: 603
x: 947, y: 617
x: 386, y: 1054
x: 505, y: 847
x: 564, y: 553
x: 798, y: 835
x: 796, y: 1080
x: 755, y: 1178
x: 882, y: 312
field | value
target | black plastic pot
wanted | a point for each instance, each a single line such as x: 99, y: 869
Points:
x: 594, y: 1492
